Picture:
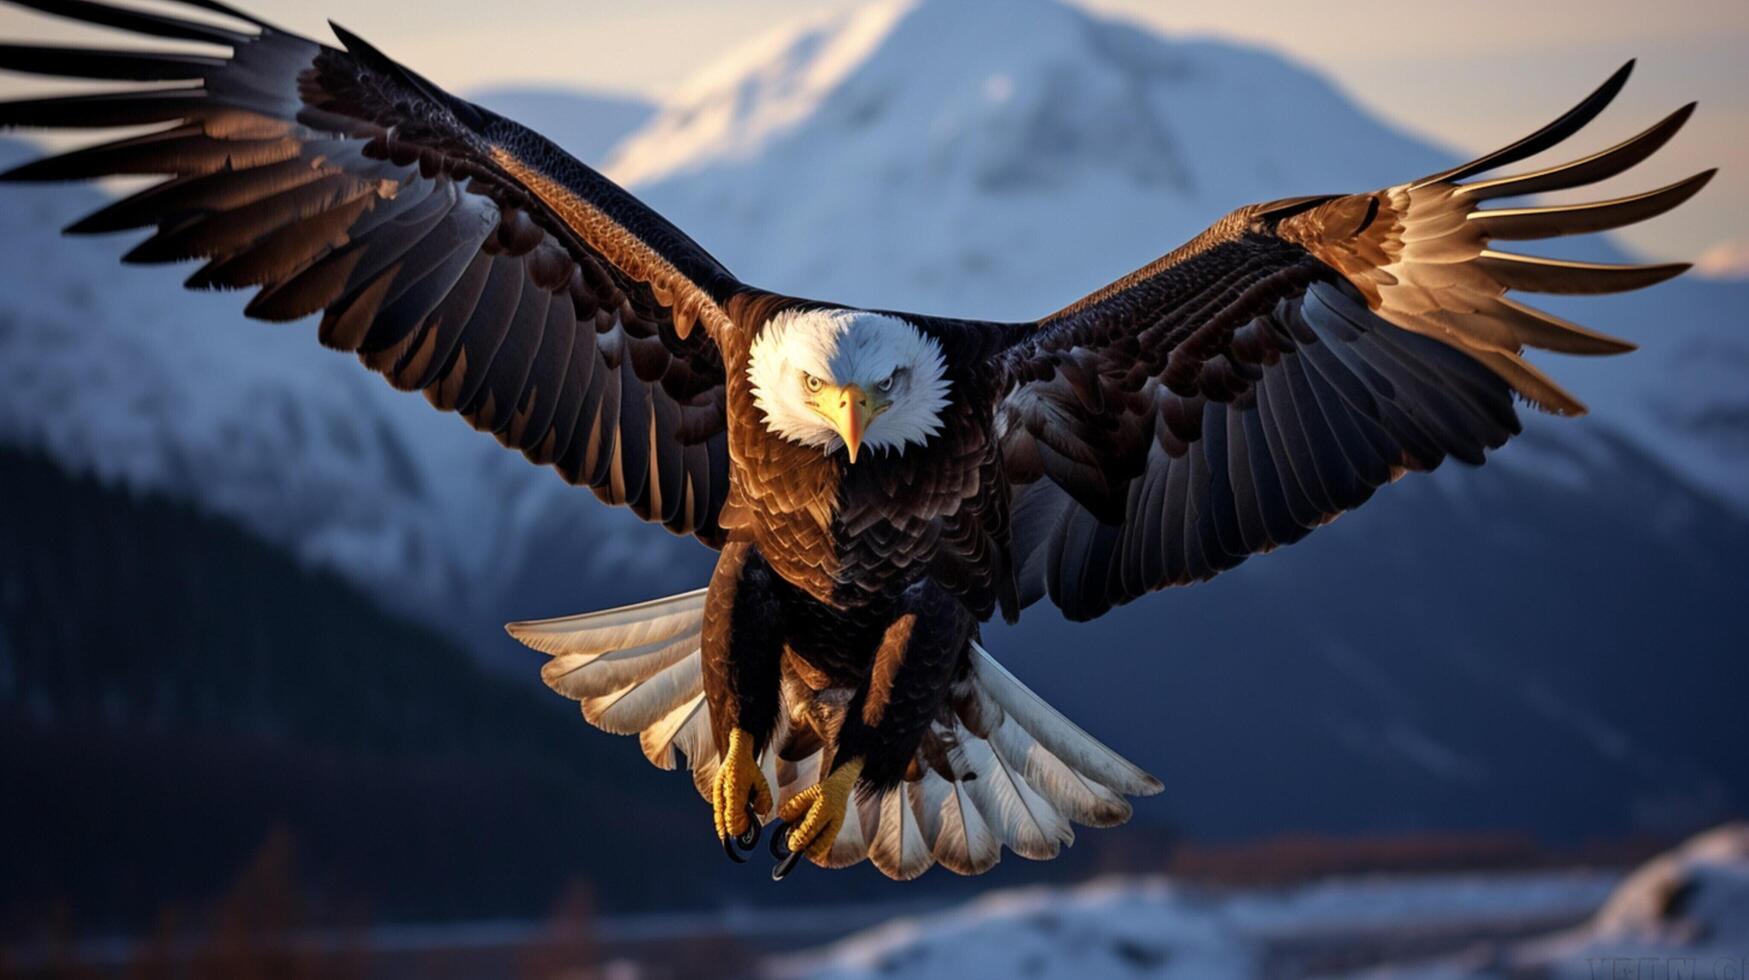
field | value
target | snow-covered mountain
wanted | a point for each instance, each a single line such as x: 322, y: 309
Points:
x: 988, y: 159
x: 1484, y: 648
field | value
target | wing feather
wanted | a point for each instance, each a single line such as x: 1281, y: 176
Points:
x: 455, y: 251
x: 1276, y: 370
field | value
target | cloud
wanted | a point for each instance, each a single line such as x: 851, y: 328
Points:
x: 1728, y: 259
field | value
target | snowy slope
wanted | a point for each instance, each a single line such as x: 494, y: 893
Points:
x: 1161, y: 928
x: 1688, y: 908
x: 1682, y: 914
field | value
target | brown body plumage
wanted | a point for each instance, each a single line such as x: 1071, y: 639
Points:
x: 1243, y: 390
x: 868, y: 579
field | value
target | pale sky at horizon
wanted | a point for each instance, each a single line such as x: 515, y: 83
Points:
x: 1470, y: 78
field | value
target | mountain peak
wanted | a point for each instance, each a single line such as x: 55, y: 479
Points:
x: 889, y: 128
x: 904, y: 63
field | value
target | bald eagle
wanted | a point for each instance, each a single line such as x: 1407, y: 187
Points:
x: 877, y: 484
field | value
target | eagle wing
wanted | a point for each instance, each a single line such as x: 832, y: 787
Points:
x: 456, y: 252
x: 1273, y: 372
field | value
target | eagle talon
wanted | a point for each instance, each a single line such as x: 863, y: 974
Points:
x: 748, y: 839
x: 780, y: 849
x: 738, y: 798
x: 730, y: 851
x: 809, y: 823
x: 785, y: 866
x: 736, y: 845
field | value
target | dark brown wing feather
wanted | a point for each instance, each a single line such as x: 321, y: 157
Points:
x: 1275, y: 371
x: 454, y: 251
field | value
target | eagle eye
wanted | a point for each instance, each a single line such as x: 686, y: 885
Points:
x: 813, y: 383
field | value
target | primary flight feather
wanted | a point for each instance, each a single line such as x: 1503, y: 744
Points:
x: 878, y: 483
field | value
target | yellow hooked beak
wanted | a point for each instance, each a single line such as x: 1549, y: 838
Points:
x: 850, y: 409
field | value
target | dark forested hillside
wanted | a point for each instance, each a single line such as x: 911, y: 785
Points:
x: 173, y: 692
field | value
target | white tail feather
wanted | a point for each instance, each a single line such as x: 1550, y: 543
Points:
x: 1023, y: 819
x: 638, y: 670
x: 1065, y: 739
x: 613, y: 629
x: 957, y: 835
x: 793, y: 777
x: 1074, y: 795
x: 660, y: 740
x: 768, y: 766
x: 896, y: 844
x: 589, y: 675
x: 851, y: 845
x: 641, y: 704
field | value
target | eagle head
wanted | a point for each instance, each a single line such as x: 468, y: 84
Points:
x: 838, y: 377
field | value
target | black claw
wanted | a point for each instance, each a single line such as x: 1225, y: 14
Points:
x: 785, y: 866
x: 729, y: 849
x: 746, y: 841
x: 749, y: 840
x: 786, y: 858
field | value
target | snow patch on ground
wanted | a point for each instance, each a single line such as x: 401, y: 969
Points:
x: 1685, y: 913
x: 1160, y: 928
x: 1687, y: 910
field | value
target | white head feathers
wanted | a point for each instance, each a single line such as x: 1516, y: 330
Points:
x: 892, y: 360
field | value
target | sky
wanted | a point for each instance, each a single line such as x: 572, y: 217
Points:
x: 1469, y: 76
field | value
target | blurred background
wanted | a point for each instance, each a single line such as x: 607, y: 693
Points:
x: 258, y: 717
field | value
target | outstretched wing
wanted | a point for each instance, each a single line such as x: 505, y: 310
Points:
x: 454, y: 251
x: 1275, y: 371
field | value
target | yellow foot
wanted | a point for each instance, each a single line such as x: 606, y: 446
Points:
x: 739, y: 783
x: 816, y: 814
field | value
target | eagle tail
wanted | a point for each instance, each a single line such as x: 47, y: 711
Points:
x: 1006, y: 770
